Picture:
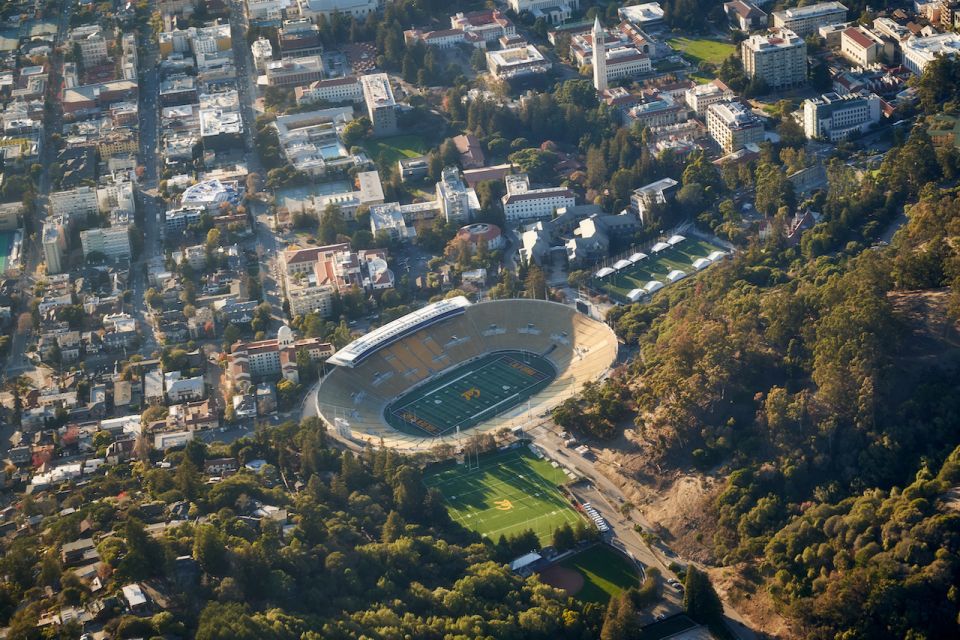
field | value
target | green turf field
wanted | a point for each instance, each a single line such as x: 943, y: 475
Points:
x: 395, y: 148
x: 655, y: 267
x: 606, y: 573
x: 701, y: 49
x: 470, y: 394
x: 509, y: 493
x: 6, y: 238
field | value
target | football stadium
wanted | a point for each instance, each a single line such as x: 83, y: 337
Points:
x: 454, y: 367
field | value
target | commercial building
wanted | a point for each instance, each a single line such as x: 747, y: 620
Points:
x: 701, y: 96
x: 112, y: 242
x: 299, y: 38
x: 919, y: 52
x: 733, y: 126
x: 10, y: 215
x: 835, y: 117
x: 209, y: 39
x: 291, y: 72
x: 381, y: 106
x: 211, y: 195
x: 221, y: 127
x: 92, y: 45
x: 777, y: 58
x: 313, y: 9
x: 522, y: 203
x: 860, y: 46
x: 517, y: 62
x: 333, y: 90
x: 266, y: 11
x: 262, y: 52
x: 806, y: 20
x: 93, y: 97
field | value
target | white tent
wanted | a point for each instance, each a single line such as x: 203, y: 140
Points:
x: 636, y: 294
x: 675, y: 240
x: 621, y: 264
x: 675, y: 275
x: 660, y: 246
x: 603, y: 273
x: 637, y: 257
x: 702, y: 263
x: 716, y: 255
x: 653, y: 285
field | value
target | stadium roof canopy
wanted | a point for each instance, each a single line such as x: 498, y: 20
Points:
x: 603, y: 273
x: 653, y: 285
x: 674, y: 240
x: 621, y: 264
x: 524, y: 561
x: 364, y: 346
x: 660, y: 246
x: 702, y: 263
x: 636, y: 294
x: 675, y: 275
x: 637, y: 257
x: 716, y: 255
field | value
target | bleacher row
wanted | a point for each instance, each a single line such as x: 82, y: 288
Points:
x: 581, y: 349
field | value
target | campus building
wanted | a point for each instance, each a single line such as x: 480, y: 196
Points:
x: 522, y: 203
x: 835, y: 117
x: 381, y: 106
x: 806, y: 20
x: 777, y: 58
x: 919, y: 52
x: 860, y: 46
x: 272, y: 358
x: 733, y: 126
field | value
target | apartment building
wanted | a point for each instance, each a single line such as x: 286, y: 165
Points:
x: 112, y: 242
x: 733, y: 126
x: 778, y: 58
x: 835, y: 117
x: 806, y: 20
x: 266, y: 11
x: 78, y: 202
x: 54, y: 239
x: 93, y: 46
x: 522, y: 203
x: 262, y: 52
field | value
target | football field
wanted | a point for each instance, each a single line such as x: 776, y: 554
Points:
x: 509, y: 493
x: 470, y: 394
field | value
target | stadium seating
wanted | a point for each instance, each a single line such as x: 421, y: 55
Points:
x: 579, y: 348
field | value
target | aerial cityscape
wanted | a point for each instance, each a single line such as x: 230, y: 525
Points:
x: 485, y: 319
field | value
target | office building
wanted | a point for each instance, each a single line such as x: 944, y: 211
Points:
x: 78, y: 202
x: 262, y: 51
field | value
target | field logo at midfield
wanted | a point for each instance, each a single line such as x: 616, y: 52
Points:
x: 503, y: 505
x: 470, y: 393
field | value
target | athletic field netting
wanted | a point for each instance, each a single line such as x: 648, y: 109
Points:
x: 470, y: 394
x: 509, y: 493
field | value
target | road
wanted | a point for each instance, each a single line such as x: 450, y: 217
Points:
x: 16, y: 362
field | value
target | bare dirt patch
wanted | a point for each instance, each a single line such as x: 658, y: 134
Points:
x: 563, y: 578
x: 734, y: 586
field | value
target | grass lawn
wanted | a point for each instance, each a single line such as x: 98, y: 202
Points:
x: 606, y: 573
x: 395, y: 148
x: 701, y: 49
x: 509, y: 493
x: 656, y: 267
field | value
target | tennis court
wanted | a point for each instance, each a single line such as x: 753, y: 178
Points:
x: 509, y: 493
x: 470, y: 394
x: 655, y: 268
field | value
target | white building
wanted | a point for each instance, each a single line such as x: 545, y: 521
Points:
x: 112, y: 242
x: 626, y: 62
x: 265, y: 10
x: 381, y: 106
x: 335, y: 90
x: 311, y: 140
x: 806, y: 20
x: 919, y: 52
x: 180, y: 389
x: 458, y: 203
x: 292, y: 72
x: 54, y: 244
x: 79, y: 202
x: 733, y: 126
x: 553, y: 11
x: 490, y: 24
x: 523, y: 203
x: 702, y: 96
x: 117, y: 194
x: 779, y: 59
x: 516, y: 62
x: 860, y: 46
x: 210, y: 194
x: 313, y: 9
x: 388, y: 218
x: 644, y: 15
x: 262, y: 51
x: 834, y: 117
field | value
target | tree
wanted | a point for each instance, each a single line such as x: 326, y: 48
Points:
x: 393, y: 528
x: 210, y: 551
x: 254, y: 183
x: 331, y: 224
x: 563, y: 537
x: 213, y: 240
x: 286, y: 392
x: 700, y: 600
x: 354, y: 132
x: 535, y: 285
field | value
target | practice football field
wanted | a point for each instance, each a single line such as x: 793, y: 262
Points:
x: 470, y: 394
x: 509, y: 493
